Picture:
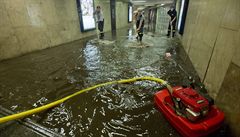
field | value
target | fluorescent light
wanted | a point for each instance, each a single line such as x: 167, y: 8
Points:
x: 140, y: 1
x: 180, y: 15
x: 162, y: 4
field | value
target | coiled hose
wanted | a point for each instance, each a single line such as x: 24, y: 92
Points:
x: 55, y: 103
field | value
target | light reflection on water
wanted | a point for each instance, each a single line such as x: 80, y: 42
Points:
x: 92, y: 57
x: 113, y: 110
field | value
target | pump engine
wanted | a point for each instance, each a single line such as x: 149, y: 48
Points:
x: 190, y: 104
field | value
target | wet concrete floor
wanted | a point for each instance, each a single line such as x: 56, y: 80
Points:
x: 41, y: 77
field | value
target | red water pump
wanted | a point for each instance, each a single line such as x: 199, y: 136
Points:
x: 192, y: 113
x: 189, y: 103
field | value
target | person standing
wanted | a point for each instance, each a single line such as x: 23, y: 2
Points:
x: 140, y: 25
x: 135, y: 15
x: 172, y: 23
x: 100, y: 20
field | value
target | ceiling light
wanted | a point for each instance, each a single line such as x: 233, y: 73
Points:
x: 140, y: 1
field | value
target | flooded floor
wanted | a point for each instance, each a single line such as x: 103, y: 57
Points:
x: 117, y: 110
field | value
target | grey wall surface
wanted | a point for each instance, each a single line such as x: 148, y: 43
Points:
x: 121, y: 14
x: 212, y: 40
x: 30, y: 25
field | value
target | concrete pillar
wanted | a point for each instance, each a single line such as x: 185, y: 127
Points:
x: 113, y: 14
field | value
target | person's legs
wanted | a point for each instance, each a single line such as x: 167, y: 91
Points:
x: 140, y: 35
x: 100, y: 28
x: 169, y: 29
x: 137, y: 36
x: 137, y: 24
x: 173, y: 29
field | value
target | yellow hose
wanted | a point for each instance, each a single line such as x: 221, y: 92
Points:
x: 55, y: 103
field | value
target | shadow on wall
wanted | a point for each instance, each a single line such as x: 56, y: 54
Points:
x: 228, y: 98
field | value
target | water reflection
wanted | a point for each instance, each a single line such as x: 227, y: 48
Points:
x: 130, y: 34
x: 92, y: 57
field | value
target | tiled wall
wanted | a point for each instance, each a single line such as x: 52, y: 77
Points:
x: 162, y: 20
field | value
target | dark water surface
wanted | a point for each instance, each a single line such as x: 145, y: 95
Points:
x: 117, y: 110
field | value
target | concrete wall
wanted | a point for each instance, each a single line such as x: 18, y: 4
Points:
x: 212, y: 40
x: 30, y: 25
x: 121, y: 14
x: 211, y: 37
x: 228, y: 98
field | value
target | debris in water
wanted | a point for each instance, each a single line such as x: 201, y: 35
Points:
x: 14, y: 107
x: 168, y: 55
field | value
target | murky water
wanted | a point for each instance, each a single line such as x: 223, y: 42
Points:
x: 116, y: 110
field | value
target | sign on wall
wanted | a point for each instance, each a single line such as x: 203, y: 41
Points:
x: 86, y: 17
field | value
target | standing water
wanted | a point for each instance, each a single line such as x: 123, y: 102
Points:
x: 41, y: 77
